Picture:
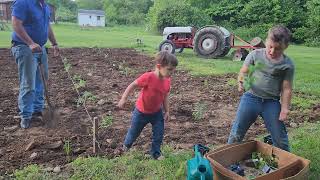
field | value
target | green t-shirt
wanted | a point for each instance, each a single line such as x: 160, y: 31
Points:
x: 269, y: 78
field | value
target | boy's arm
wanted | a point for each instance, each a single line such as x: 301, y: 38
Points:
x: 243, y: 71
x: 285, y: 99
x: 53, y: 41
x: 126, y: 93
x: 166, y: 107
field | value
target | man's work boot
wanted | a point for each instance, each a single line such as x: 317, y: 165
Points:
x: 25, y: 123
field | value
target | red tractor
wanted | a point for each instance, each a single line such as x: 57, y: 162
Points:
x: 207, y: 42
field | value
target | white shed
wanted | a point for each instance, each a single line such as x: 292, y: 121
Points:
x: 91, y: 17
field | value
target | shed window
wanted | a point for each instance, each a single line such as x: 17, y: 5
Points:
x: 98, y: 18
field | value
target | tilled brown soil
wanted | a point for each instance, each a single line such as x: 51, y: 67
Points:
x: 107, y: 73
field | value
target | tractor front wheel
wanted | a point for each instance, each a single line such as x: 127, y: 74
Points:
x: 168, y: 46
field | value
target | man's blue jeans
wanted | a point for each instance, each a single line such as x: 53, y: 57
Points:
x: 31, y: 88
x: 249, y: 109
x: 138, y: 121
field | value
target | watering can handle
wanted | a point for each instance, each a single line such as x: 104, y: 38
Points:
x: 199, y: 148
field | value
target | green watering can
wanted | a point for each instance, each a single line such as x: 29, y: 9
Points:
x: 199, y: 168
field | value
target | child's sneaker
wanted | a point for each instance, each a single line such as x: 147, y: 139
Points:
x: 160, y: 158
x: 157, y: 157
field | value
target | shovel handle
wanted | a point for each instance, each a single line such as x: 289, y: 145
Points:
x: 38, y: 55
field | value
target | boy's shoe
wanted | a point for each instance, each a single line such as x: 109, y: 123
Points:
x: 25, y: 123
x: 149, y: 156
x: 160, y: 158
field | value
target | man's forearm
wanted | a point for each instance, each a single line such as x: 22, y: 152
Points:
x: 52, y: 38
x: 21, y: 32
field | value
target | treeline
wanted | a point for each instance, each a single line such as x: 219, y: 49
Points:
x: 248, y: 18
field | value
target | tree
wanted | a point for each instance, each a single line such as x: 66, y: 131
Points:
x: 127, y: 11
x: 202, y: 4
x: 90, y: 4
x: 66, y: 10
x: 175, y: 13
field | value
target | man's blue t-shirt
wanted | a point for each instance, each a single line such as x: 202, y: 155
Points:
x: 35, y: 20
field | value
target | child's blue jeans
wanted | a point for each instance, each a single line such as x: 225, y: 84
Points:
x: 31, y: 88
x: 249, y: 109
x: 138, y: 121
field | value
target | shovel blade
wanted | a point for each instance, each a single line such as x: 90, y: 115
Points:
x: 51, y: 117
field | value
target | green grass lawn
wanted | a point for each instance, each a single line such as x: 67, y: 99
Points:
x: 307, y: 59
x: 70, y: 35
x: 304, y: 140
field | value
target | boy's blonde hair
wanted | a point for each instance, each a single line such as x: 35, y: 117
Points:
x: 280, y: 34
x: 166, y: 59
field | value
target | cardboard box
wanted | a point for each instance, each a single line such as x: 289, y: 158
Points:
x: 290, y: 166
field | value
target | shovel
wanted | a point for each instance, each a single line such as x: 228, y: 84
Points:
x: 50, y: 114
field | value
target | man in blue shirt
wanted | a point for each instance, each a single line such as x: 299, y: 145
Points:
x: 31, y: 25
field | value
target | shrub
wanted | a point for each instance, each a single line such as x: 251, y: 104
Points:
x: 176, y: 13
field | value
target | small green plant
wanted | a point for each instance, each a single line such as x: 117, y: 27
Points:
x: 249, y: 79
x: 199, y: 111
x: 125, y: 70
x: 84, y: 97
x: 79, y: 82
x: 264, y: 160
x: 140, y: 45
x: 206, y: 83
x: 66, y: 64
x: 106, y: 121
x: 232, y: 82
x: 67, y: 147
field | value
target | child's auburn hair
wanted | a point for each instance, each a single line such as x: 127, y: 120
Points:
x: 165, y: 59
x: 279, y: 34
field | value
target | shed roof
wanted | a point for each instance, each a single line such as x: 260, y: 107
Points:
x: 97, y: 12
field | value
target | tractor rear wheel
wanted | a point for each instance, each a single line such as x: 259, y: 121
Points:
x: 168, y: 46
x: 225, y: 51
x: 209, y: 42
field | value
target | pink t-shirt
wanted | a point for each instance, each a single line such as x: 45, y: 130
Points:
x: 152, y: 93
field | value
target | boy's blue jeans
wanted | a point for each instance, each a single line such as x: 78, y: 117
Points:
x: 138, y: 121
x: 249, y: 109
x: 30, y: 98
